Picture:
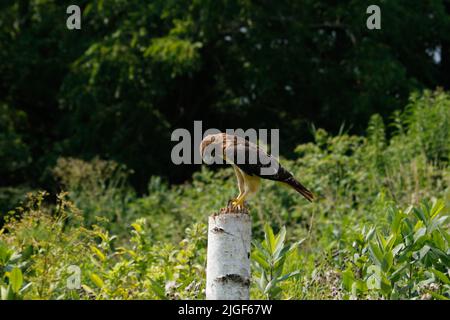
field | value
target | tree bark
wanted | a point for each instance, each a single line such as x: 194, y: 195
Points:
x: 228, y: 257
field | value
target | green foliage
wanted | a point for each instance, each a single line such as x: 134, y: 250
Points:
x: 410, y: 260
x: 11, y: 278
x: 39, y: 248
x: 428, y: 119
x: 269, y: 258
x: 99, y: 188
x: 179, y: 55
x: 138, y: 69
x: 379, y: 228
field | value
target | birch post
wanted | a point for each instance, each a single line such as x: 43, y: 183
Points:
x: 228, y: 257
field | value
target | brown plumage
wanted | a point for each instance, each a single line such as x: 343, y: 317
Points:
x: 248, y: 174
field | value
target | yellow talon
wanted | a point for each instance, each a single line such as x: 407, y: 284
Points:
x: 238, y: 204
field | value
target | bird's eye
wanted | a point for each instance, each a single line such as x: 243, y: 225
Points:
x: 213, y: 138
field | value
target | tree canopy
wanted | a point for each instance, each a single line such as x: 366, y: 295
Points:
x: 139, y: 69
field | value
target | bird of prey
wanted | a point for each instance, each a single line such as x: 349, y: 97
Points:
x: 248, y: 173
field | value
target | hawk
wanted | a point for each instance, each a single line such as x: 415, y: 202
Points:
x: 249, y: 173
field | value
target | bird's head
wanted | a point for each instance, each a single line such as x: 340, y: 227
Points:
x: 212, y: 140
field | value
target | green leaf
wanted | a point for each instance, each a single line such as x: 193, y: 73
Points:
x: 386, y: 287
x: 96, y: 280
x: 158, y: 290
x: 399, y: 272
x: 420, y: 214
x: 396, y: 221
x: 270, y: 238
x: 15, y: 279
x: 270, y: 285
x: 376, y: 254
x: 370, y: 234
x: 390, y: 242
x: 98, y: 253
x: 388, y: 260
x: 279, y: 241
x: 6, y: 293
x: 347, y: 279
x: 289, y: 275
x: 358, y: 286
x: 398, y: 248
x: 262, y: 251
x: 437, y: 207
x: 381, y: 242
x: 274, y: 293
x: 437, y: 296
x: 287, y: 250
x: 137, y: 227
x: 262, y: 282
x: 420, y: 235
x: 423, y: 252
x: 437, y: 223
x: 259, y: 258
x: 5, y: 253
x: 441, y: 276
x: 442, y: 255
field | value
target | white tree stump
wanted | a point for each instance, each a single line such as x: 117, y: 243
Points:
x: 228, y: 257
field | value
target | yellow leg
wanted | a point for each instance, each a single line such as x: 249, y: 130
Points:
x: 240, y: 180
x: 250, y: 186
x: 239, y: 202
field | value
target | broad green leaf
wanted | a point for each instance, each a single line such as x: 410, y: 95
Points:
x: 376, y: 253
x: 15, y: 279
x: 388, y: 260
x: 347, y: 279
x: 262, y: 250
x: 437, y: 207
x: 441, y: 276
x: 259, y: 258
x: 279, y: 241
x: 270, y: 238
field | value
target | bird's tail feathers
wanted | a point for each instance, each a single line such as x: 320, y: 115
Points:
x: 297, y: 186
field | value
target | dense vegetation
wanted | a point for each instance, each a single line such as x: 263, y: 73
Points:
x: 139, y: 69
x: 379, y: 228
x: 87, y: 116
